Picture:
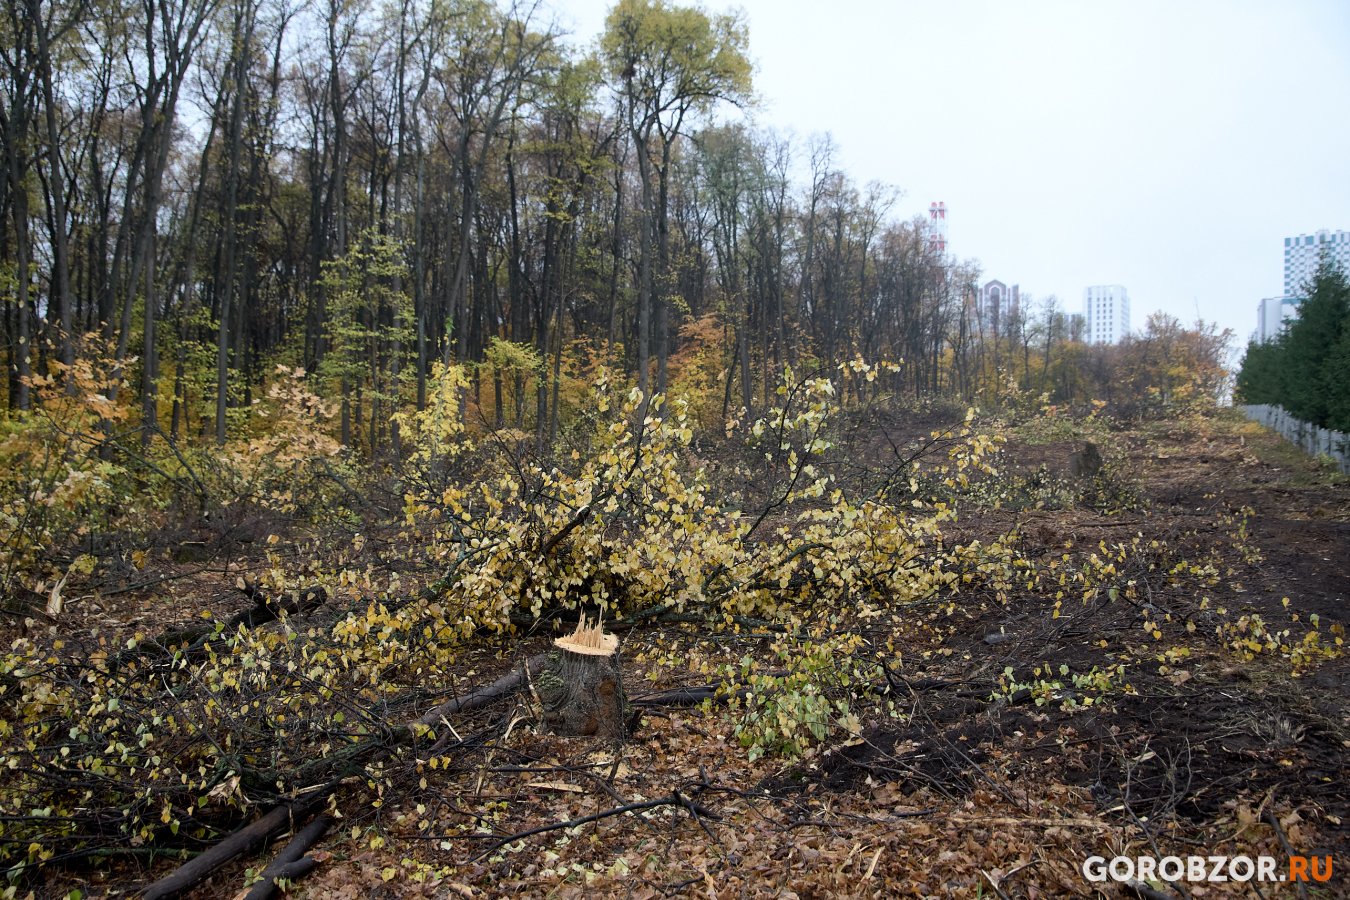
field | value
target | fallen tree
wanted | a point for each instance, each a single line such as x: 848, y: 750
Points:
x: 267, y: 607
x: 184, y: 735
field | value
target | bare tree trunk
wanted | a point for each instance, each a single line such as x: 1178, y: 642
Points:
x: 16, y: 118
x: 60, y: 276
x: 150, y: 363
x: 419, y: 275
x: 22, y: 352
x: 645, y: 253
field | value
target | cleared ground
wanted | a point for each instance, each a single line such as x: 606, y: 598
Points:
x: 1012, y: 729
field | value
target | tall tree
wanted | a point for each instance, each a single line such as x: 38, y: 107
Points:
x: 492, y: 54
x: 727, y: 169
x: 666, y: 62
x: 170, y: 32
x: 50, y: 27
x: 19, y: 53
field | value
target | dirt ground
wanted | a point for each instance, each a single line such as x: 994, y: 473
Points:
x: 1009, y: 739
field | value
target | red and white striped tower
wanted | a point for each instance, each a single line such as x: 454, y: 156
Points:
x: 937, y: 227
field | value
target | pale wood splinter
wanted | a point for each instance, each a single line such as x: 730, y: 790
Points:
x: 590, y: 638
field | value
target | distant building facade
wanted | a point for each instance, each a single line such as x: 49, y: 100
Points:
x: 1272, y: 314
x: 1106, y: 310
x: 998, y: 303
x: 1303, y: 252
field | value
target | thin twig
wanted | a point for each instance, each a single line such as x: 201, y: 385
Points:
x: 1147, y: 892
x: 1274, y: 821
x: 675, y: 799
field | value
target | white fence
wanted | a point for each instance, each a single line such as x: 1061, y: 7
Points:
x: 1314, y: 441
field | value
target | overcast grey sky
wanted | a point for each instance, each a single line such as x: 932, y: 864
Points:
x: 1166, y: 146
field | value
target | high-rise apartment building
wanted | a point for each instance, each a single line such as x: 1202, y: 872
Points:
x: 1271, y: 316
x: 1303, y: 252
x: 1106, y: 307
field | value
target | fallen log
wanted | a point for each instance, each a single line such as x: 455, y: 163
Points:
x: 250, y: 837
x: 690, y: 696
x: 344, y: 761
x: 508, y: 684
x: 291, y: 862
x: 294, y: 871
x: 724, y: 691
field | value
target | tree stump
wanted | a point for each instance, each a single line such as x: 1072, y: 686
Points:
x: 581, y: 686
x: 1085, y: 463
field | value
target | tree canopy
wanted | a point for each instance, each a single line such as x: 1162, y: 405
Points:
x: 362, y: 190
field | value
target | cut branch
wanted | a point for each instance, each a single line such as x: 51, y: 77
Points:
x: 675, y: 799
x: 506, y: 685
x: 572, y: 525
x: 251, y: 836
x: 266, y: 608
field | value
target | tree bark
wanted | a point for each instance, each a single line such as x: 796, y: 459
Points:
x: 285, y: 863
x: 581, y: 687
x: 192, y: 873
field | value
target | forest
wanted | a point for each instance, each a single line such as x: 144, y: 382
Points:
x: 445, y: 456
x: 198, y: 193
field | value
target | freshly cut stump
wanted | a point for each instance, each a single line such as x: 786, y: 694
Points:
x: 581, y: 687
